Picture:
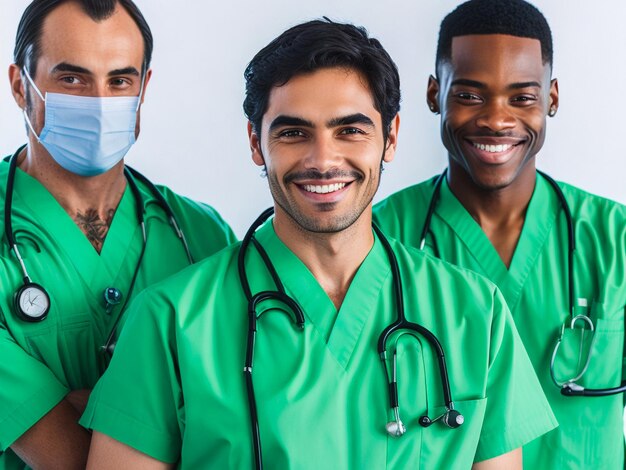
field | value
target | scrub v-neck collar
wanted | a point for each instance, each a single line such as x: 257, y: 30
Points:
x: 95, y: 269
x: 540, y: 218
x: 340, y: 329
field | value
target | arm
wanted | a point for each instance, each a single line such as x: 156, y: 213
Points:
x: 108, y: 454
x: 509, y: 461
x: 78, y: 399
x: 56, y: 441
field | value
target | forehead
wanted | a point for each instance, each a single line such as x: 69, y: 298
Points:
x: 496, y: 56
x: 70, y: 35
x: 322, y: 94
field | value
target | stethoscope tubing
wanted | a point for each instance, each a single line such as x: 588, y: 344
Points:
x: 568, y: 388
x: 130, y: 174
x: 298, y: 319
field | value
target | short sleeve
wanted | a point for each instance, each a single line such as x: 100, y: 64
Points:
x: 517, y: 410
x: 28, y: 389
x: 138, y: 398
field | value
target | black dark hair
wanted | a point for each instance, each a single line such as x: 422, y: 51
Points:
x: 320, y: 44
x: 28, y: 37
x: 512, y: 17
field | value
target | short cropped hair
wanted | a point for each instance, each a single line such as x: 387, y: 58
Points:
x: 320, y: 44
x: 513, y: 17
x: 28, y: 38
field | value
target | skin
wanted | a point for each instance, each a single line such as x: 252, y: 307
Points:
x: 85, y: 58
x: 494, y: 90
x: 71, y: 38
x: 322, y: 129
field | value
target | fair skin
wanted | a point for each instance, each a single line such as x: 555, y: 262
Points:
x: 321, y: 141
x: 495, y: 90
x: 87, y: 58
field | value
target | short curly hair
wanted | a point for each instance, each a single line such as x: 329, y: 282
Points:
x: 512, y: 17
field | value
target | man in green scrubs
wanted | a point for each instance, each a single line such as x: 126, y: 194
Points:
x: 322, y: 102
x: 75, y: 219
x: 497, y: 216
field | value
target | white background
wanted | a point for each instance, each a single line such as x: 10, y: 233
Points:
x: 194, y: 132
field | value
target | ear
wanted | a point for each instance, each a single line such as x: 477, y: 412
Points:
x: 17, y: 85
x: 554, y: 97
x: 432, y: 95
x: 145, y: 84
x: 392, y: 139
x: 255, y: 146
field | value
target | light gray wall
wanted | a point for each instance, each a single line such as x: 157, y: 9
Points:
x: 194, y: 133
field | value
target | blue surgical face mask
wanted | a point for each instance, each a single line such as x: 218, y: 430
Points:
x: 87, y: 135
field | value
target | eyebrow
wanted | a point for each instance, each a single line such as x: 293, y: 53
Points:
x: 516, y: 86
x: 283, y: 120
x: 467, y: 82
x: 357, y: 118
x: 67, y: 67
x: 482, y: 86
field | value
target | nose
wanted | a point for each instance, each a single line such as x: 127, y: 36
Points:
x: 324, y: 153
x: 496, y: 116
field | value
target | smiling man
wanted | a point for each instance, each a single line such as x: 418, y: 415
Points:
x: 301, y: 303
x: 558, y: 254
x: 81, y: 234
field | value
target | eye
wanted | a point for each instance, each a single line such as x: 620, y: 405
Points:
x: 287, y: 133
x: 70, y: 80
x: 351, y: 131
x: 524, y: 100
x: 120, y: 83
x: 468, y: 97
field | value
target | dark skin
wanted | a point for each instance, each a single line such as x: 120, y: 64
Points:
x: 494, y: 94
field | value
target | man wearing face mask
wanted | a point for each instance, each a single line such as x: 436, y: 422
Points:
x: 82, y: 234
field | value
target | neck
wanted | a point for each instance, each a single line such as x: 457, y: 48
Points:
x: 333, y: 258
x: 90, y: 201
x: 499, y: 212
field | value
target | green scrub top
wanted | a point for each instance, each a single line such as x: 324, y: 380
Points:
x: 41, y: 362
x: 591, y: 430
x: 321, y: 392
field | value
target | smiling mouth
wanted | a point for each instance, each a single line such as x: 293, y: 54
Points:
x: 492, y: 148
x: 323, y: 189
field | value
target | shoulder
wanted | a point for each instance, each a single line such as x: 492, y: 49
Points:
x: 199, y: 279
x: 185, y: 207
x: 447, y: 280
x: 410, y: 197
x: 584, y: 204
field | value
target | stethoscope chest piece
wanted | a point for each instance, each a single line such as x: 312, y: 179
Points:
x: 32, y: 302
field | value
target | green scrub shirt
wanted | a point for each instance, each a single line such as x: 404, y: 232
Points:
x: 591, y: 430
x: 41, y: 362
x: 321, y: 392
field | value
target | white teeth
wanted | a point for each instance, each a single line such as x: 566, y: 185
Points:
x: 493, y: 148
x: 327, y: 188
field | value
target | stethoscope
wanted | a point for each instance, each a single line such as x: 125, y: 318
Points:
x: 568, y: 387
x: 451, y: 417
x: 31, y: 300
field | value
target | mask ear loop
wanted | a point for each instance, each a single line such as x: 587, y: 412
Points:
x: 32, y: 82
x: 144, y: 70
